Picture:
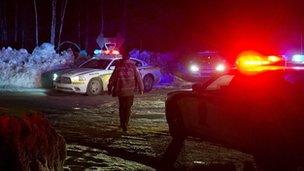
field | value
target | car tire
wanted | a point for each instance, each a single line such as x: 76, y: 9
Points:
x: 175, y: 122
x: 148, y: 81
x: 94, y: 87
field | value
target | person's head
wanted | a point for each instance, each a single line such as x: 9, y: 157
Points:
x: 124, y: 51
x: 125, y: 57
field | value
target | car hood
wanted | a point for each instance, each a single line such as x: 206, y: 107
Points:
x: 79, y: 71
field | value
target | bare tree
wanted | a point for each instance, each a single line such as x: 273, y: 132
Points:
x: 62, y: 20
x: 16, y: 22
x: 86, y: 43
x: 3, y: 23
x: 123, y: 28
x: 36, y: 23
x: 53, y: 25
x: 78, y: 27
x: 102, y: 16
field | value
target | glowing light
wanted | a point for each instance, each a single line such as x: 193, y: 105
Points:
x: 106, y: 52
x: 97, y: 51
x: 298, y: 58
x: 220, y: 67
x: 252, y: 61
x: 55, y: 76
x: 194, y: 68
x: 274, y: 58
x: 115, y: 52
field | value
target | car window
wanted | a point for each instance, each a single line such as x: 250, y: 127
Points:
x: 96, y: 64
x: 220, y: 82
x: 114, y: 63
x: 137, y: 63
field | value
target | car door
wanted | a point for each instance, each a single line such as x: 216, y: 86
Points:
x: 140, y: 66
x: 200, y: 109
x: 106, y: 74
x: 214, y: 120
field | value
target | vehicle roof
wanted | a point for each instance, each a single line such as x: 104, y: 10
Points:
x: 280, y: 70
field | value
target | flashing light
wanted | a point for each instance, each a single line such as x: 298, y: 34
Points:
x: 194, y: 68
x: 115, y: 52
x: 220, y: 67
x: 97, y: 51
x: 297, y: 58
x: 107, y: 52
x: 55, y: 76
x: 111, y: 52
x: 274, y: 59
x: 252, y: 61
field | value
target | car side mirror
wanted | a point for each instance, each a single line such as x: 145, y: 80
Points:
x: 112, y: 67
x: 198, y: 87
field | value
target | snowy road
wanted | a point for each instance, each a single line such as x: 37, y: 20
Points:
x: 90, y: 127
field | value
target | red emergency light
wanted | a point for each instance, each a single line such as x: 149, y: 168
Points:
x: 251, y: 61
x: 111, y: 52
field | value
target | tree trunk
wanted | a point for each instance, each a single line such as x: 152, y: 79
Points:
x: 86, y: 28
x: 62, y: 21
x: 78, y: 27
x: 4, y: 23
x: 102, y: 16
x: 124, y: 20
x: 36, y: 23
x: 16, y: 23
x: 22, y: 38
x: 53, y: 25
x: 1, y: 23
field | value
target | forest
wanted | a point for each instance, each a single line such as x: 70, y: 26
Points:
x: 28, y: 23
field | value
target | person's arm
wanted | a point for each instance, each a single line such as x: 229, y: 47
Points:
x: 139, y: 81
x: 112, y: 81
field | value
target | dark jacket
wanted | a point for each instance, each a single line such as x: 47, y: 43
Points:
x: 124, y: 79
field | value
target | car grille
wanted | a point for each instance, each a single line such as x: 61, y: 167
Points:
x: 65, y: 80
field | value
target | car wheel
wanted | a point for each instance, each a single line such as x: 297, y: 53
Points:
x: 94, y: 87
x: 148, y: 83
x: 175, y: 122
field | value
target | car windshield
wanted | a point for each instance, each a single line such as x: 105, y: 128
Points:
x: 220, y: 82
x: 206, y: 58
x: 264, y: 82
x: 96, y: 64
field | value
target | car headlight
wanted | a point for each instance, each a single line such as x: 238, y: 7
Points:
x: 78, y: 78
x: 220, y: 68
x: 194, y: 68
x: 55, y: 77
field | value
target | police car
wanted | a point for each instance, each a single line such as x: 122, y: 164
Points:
x: 256, y: 108
x: 92, y: 76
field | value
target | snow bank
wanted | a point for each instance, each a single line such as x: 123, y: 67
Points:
x: 22, y: 69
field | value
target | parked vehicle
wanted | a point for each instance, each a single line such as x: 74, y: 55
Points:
x: 92, y: 76
x: 257, y: 109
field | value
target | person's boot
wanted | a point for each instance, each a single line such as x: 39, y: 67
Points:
x: 124, y: 128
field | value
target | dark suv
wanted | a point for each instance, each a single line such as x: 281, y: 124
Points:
x: 258, y: 113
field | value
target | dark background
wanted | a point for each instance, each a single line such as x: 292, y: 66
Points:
x: 227, y: 26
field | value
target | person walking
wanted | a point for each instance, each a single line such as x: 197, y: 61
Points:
x: 123, y: 82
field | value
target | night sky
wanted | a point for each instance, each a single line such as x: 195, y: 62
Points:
x: 228, y: 26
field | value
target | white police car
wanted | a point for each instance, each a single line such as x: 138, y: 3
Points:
x: 92, y: 76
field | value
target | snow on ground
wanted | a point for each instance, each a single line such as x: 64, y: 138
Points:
x: 21, y: 69
x: 24, y: 70
x: 86, y: 158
